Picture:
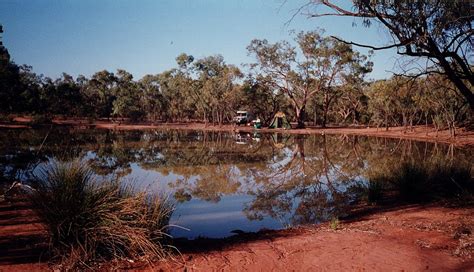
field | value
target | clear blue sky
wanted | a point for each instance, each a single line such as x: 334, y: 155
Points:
x: 144, y: 37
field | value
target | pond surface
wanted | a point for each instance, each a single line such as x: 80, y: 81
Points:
x: 222, y: 182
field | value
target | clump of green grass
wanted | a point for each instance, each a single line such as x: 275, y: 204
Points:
x: 334, y: 223
x: 428, y: 181
x: 91, y: 221
x: 422, y: 182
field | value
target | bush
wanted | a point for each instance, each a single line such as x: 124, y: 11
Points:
x: 91, y: 221
x: 421, y: 182
x: 429, y: 181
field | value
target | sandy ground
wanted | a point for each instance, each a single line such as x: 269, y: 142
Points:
x: 406, y: 238
x: 419, y: 133
x: 412, y: 238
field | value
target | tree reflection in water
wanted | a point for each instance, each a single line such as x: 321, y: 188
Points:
x: 294, y: 179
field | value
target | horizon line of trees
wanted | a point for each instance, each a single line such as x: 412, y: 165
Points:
x: 320, y: 81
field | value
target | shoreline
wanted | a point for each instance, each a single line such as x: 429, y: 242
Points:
x: 395, y: 237
x: 417, y: 133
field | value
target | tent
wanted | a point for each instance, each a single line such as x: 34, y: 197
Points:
x: 280, y: 121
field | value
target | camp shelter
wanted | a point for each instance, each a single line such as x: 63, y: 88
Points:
x: 280, y: 121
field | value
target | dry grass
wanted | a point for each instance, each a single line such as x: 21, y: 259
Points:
x: 91, y: 221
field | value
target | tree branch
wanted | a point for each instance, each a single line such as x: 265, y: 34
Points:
x: 369, y: 46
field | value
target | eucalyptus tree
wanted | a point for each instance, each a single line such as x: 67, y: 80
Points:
x: 261, y: 99
x: 351, y: 106
x: 319, y: 67
x: 99, y: 93
x: 216, y: 81
x: 442, y: 103
x: 152, y: 99
x: 9, y: 82
x: 128, y: 97
x: 439, y: 31
x: 63, y: 96
x: 175, y: 87
x: 382, y: 102
x: 28, y: 97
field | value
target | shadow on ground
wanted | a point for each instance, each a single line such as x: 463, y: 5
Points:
x: 22, y: 238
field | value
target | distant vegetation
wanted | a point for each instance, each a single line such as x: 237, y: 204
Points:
x: 320, y: 81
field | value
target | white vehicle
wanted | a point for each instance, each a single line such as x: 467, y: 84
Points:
x: 242, y: 117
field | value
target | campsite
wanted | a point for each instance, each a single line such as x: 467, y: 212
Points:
x: 236, y: 136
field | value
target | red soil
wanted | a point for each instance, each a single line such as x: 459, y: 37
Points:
x: 407, y: 239
x: 23, y: 239
x: 410, y: 238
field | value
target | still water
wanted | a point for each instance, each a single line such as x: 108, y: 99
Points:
x: 225, y: 182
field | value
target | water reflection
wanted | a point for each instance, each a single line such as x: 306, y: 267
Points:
x: 227, y: 181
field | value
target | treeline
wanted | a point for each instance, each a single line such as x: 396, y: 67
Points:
x: 321, y: 81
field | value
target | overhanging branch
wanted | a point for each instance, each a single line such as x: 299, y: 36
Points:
x: 369, y: 46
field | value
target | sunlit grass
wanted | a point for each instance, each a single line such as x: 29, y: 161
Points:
x: 92, y: 221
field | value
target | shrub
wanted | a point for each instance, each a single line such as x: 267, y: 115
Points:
x: 433, y: 180
x: 410, y: 180
x: 422, y: 182
x: 91, y: 221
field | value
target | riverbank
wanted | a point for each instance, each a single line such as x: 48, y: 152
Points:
x: 407, y: 237
x: 410, y: 238
x: 417, y: 133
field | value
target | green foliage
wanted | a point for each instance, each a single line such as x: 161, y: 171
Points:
x: 90, y: 220
x: 430, y: 181
x: 334, y: 223
x: 321, y: 79
x: 126, y: 103
x: 316, y: 68
x: 438, y: 31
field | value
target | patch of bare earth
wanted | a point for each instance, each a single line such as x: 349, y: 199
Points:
x: 413, y: 238
x: 410, y: 238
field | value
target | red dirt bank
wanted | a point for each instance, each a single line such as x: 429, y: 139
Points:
x: 410, y: 238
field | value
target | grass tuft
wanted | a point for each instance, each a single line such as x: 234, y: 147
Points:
x: 422, y: 182
x: 419, y: 182
x: 91, y: 221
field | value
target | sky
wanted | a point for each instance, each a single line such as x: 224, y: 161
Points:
x: 144, y: 37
